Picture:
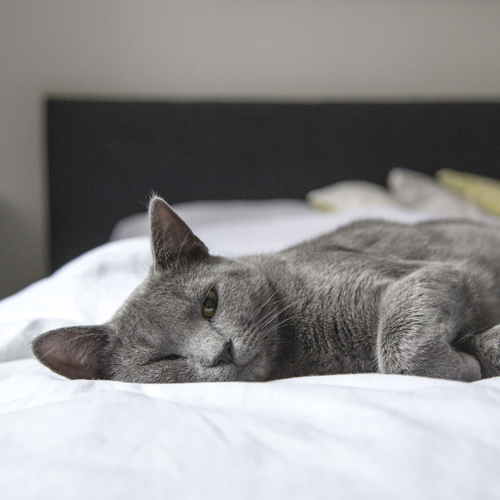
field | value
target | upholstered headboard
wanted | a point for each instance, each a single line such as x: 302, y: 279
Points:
x: 106, y: 157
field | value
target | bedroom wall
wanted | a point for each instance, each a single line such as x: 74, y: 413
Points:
x: 263, y: 49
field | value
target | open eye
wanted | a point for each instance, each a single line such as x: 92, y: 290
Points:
x: 209, y: 304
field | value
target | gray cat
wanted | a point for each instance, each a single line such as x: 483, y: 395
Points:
x: 372, y: 296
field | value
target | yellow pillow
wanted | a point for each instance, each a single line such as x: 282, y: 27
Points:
x: 482, y: 191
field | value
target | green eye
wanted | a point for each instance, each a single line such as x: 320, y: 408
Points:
x: 209, y: 304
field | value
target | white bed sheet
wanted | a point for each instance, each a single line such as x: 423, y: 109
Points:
x: 365, y: 436
x: 206, y: 214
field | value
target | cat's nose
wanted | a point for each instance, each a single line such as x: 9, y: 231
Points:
x: 225, y: 356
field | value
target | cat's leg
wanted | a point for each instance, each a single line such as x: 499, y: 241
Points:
x: 485, y: 347
x: 421, y: 317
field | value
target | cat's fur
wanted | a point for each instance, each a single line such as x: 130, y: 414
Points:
x: 372, y: 296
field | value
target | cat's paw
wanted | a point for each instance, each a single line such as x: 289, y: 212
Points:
x: 485, y: 347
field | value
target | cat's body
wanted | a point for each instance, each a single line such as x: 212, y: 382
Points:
x: 356, y: 284
x: 372, y: 296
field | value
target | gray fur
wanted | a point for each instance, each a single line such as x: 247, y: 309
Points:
x: 373, y: 296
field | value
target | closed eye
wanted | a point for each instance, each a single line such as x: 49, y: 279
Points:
x: 169, y: 357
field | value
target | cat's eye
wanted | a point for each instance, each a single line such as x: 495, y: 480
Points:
x: 209, y: 304
x: 170, y: 357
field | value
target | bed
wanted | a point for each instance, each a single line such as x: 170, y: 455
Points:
x: 238, y: 174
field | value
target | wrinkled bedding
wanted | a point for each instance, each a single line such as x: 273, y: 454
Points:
x: 343, y: 437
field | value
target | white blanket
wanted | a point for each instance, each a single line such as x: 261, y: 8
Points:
x: 365, y: 436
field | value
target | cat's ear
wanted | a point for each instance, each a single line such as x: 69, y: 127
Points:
x: 74, y: 352
x: 171, y: 237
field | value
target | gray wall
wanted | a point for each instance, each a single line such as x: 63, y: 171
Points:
x: 272, y: 49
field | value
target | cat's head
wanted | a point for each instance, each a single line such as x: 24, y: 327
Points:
x: 195, y: 317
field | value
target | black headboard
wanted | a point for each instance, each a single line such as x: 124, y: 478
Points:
x: 106, y: 157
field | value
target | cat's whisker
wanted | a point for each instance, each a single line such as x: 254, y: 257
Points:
x: 261, y: 331
x: 270, y: 319
x: 470, y: 334
x: 109, y: 316
x: 265, y: 333
x: 133, y: 258
x: 277, y: 314
x: 262, y: 307
x: 266, y: 302
x: 273, y: 311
